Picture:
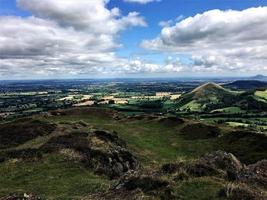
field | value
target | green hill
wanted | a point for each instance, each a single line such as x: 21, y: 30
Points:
x: 95, y: 153
x: 212, y: 97
x: 207, y: 97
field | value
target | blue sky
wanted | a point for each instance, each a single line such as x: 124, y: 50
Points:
x: 132, y: 45
x: 168, y: 10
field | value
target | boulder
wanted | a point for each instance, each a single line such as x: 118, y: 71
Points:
x: 255, y: 174
x: 240, y: 192
x: 103, y: 152
x: 217, y: 162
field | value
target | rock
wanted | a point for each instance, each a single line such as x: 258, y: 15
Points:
x: 102, y: 151
x: 255, y: 174
x: 149, y: 184
x: 240, y: 192
x: 216, y: 163
x: 24, y: 196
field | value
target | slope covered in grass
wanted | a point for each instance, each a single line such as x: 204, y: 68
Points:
x: 206, y: 97
x: 154, y: 140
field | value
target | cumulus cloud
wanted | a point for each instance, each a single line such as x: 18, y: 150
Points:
x: 141, y: 1
x: 218, y: 39
x: 63, y: 37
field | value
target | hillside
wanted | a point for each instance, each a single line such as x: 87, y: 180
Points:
x: 246, y: 84
x: 207, y: 97
x: 214, y: 98
x: 95, y: 153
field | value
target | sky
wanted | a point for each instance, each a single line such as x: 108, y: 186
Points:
x: 51, y: 39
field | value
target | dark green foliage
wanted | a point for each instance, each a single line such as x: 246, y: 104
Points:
x: 151, y: 104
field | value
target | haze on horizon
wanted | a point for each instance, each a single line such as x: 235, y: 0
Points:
x: 52, y: 39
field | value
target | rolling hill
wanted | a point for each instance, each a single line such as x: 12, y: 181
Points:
x: 246, y: 84
x: 207, y: 97
x: 213, y: 97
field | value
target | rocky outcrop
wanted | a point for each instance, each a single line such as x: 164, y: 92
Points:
x: 255, y: 174
x: 102, y: 151
x: 136, y: 185
x: 217, y: 163
x: 24, y: 196
x: 240, y: 192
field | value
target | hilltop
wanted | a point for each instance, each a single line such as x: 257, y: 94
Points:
x: 206, y: 97
x: 213, y: 97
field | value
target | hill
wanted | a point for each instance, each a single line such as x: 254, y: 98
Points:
x: 246, y: 84
x: 212, y: 97
x: 78, y: 154
x: 207, y: 97
x: 259, y: 77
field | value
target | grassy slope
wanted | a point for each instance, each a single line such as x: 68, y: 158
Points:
x: 205, y: 95
x: 53, y: 178
x: 153, y: 143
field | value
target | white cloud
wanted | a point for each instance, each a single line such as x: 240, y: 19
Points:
x: 63, y: 37
x: 229, y: 40
x: 141, y: 1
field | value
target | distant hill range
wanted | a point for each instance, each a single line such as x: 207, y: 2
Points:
x: 246, y: 84
x: 259, y: 77
x: 211, y: 96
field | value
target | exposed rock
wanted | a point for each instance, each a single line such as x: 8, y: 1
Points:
x: 255, y: 174
x: 216, y: 162
x: 102, y: 151
x: 24, y: 196
x: 241, y: 192
x: 145, y: 184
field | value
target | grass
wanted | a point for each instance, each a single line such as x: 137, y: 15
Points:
x: 229, y: 110
x: 261, y: 94
x: 151, y: 141
x: 52, y: 178
x: 199, y: 188
x: 192, y: 106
